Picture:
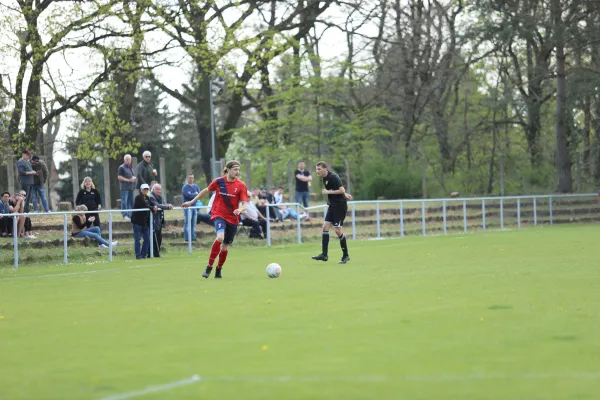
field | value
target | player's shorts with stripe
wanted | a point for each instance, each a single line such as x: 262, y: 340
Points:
x: 223, y: 226
x: 336, y: 213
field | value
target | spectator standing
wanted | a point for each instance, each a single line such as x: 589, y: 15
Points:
x: 145, y: 170
x: 303, y: 179
x: 189, y: 191
x: 127, y: 180
x: 38, y: 191
x: 158, y: 222
x: 26, y: 174
x: 89, y: 196
x: 141, y: 222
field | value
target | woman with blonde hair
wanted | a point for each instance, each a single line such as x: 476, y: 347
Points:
x: 82, y: 227
x: 89, y: 196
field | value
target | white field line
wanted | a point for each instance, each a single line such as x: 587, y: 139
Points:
x: 154, y: 389
x: 439, y: 378
x: 95, y: 271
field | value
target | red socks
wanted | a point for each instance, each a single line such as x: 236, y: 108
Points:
x: 214, y: 252
x: 222, y: 258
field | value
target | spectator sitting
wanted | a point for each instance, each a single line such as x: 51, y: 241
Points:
x: 274, y: 212
x: 158, y: 222
x: 253, y: 218
x: 27, y: 227
x: 18, y: 207
x: 206, y: 217
x: 89, y: 196
x: 285, y: 210
x: 6, y: 222
x: 82, y: 227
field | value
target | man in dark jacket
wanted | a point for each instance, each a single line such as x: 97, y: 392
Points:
x: 26, y: 174
x: 145, y: 171
x: 38, y: 191
x: 140, y: 221
x: 158, y: 221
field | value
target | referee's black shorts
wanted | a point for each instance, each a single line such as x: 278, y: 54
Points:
x: 336, y: 213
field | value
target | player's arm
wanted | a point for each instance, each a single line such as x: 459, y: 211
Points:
x: 200, y: 195
x: 242, y: 208
x: 340, y: 190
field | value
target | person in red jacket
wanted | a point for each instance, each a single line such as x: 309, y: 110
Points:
x: 230, y: 201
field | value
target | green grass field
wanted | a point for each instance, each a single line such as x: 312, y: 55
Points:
x: 492, y: 315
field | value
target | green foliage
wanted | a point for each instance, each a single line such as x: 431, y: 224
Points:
x: 386, y: 178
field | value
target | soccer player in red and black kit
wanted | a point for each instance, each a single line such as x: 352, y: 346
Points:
x: 336, y: 212
x: 230, y: 201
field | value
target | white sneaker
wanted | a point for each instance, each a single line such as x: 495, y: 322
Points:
x: 126, y: 219
x: 30, y: 237
x: 103, y: 246
x: 114, y: 243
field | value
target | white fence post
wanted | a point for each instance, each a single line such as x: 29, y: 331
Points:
x: 65, y: 245
x: 378, y: 221
x: 110, y: 241
x: 483, y: 214
x: 465, y: 216
x: 550, y: 208
x: 534, y: 212
x: 15, y: 242
x: 151, y: 234
x: 268, y: 227
x: 401, y: 219
x: 444, y: 215
x: 501, y: 213
x: 189, y: 211
x: 353, y: 222
x: 298, y: 223
x: 518, y: 213
x: 423, y: 222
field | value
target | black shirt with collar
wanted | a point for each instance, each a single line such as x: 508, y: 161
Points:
x: 333, y: 182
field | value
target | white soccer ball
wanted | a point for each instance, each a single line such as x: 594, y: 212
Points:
x: 273, y: 270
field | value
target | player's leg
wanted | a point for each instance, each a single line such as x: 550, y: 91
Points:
x: 325, y: 238
x: 338, y: 225
x: 230, y: 231
x: 340, y: 234
x: 216, y: 246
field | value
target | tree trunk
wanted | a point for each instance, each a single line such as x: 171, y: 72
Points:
x: 563, y: 159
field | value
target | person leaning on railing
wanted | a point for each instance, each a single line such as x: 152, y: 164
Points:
x: 82, y: 227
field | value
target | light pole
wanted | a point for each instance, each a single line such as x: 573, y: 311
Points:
x: 219, y: 83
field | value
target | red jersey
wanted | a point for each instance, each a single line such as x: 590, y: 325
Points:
x: 227, y: 199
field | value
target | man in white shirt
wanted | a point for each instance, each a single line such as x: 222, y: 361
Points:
x: 253, y: 218
x: 285, y: 210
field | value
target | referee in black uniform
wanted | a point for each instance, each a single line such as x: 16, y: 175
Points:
x: 336, y: 213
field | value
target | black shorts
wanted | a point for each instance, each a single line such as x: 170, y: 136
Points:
x: 223, y: 226
x: 336, y: 213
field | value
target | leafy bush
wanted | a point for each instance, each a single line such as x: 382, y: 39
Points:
x: 387, y: 178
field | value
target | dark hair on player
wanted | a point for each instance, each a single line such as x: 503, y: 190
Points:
x: 322, y: 164
x: 231, y: 164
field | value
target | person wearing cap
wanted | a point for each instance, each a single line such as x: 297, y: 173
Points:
x: 141, y: 221
x: 26, y: 174
x: 38, y: 191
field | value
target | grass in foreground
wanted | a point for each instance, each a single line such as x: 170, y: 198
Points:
x: 497, y: 316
